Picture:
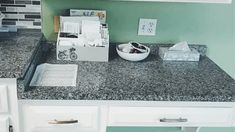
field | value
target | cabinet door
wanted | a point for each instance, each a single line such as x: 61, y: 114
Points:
x: 4, y: 124
x: 3, y: 99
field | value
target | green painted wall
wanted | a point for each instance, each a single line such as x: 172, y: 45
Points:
x: 210, y: 24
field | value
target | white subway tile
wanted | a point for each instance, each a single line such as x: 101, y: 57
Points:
x: 37, y: 20
x: 24, y: 23
x: 30, y: 8
x: 11, y: 9
x: 14, y: 16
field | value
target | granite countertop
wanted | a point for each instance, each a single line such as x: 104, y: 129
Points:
x: 149, y: 80
x: 16, y: 52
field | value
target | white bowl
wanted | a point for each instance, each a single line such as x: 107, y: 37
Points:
x: 131, y: 56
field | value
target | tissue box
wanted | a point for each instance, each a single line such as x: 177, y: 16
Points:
x: 172, y: 55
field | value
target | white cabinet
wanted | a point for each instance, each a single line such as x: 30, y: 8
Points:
x: 95, y: 116
x: 4, y: 124
x: 8, y: 105
x: 188, y: 1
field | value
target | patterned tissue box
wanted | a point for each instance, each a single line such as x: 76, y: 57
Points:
x: 173, y: 55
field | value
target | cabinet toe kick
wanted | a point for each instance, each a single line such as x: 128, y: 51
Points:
x: 190, y: 129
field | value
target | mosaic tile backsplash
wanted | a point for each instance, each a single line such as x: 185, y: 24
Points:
x: 21, y: 13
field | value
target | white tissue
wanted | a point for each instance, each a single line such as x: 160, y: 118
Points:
x: 92, y: 39
x: 91, y: 31
x: 181, y: 46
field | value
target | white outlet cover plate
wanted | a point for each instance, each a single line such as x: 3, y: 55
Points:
x: 147, y: 27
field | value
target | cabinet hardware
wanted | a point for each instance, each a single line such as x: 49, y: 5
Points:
x: 63, y: 122
x: 173, y: 120
x: 10, y: 128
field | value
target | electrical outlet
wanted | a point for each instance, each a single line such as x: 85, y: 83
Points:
x: 147, y: 27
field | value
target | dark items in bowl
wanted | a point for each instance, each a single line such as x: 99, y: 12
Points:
x: 138, y: 46
x: 135, y: 51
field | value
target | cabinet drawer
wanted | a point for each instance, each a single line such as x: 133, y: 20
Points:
x: 170, y: 116
x: 3, y: 99
x: 4, y: 124
x: 61, y: 118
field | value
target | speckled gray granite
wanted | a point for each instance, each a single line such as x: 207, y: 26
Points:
x: 149, y: 80
x: 16, y: 52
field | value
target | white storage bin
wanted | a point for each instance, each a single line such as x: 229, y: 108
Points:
x: 82, y: 38
x: 72, y: 49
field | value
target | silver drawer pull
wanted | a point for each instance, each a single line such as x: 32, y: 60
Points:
x: 173, y: 120
x: 63, y: 122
